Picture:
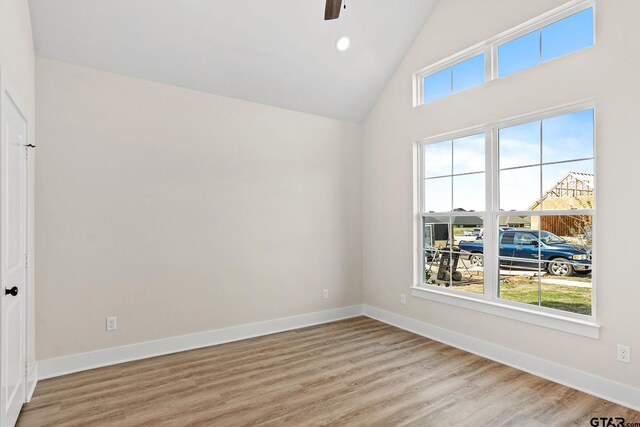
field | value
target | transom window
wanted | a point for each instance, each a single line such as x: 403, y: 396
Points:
x: 567, y: 35
x: 567, y: 29
x: 507, y: 214
x: 463, y: 75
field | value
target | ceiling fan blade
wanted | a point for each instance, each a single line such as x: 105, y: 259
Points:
x: 332, y: 9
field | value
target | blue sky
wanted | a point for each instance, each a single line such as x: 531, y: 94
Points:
x: 531, y: 148
x: 552, y: 41
x: 460, y: 156
x: 565, y: 138
x: 461, y: 76
x: 567, y: 35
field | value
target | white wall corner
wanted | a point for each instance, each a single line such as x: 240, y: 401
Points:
x: 50, y: 368
x: 597, y: 386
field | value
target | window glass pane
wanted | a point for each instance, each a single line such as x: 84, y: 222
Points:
x: 437, y: 250
x: 567, y: 35
x: 513, y: 231
x: 437, y: 85
x: 468, y: 274
x: 437, y: 159
x: 468, y: 192
x: 568, y: 137
x: 519, y: 258
x: 518, y: 54
x: 520, y: 281
x: 437, y: 194
x: 468, y: 73
x: 468, y: 154
x: 573, y: 295
x: 436, y: 232
x: 527, y: 244
x: 569, y: 234
x: 468, y: 229
x: 566, y: 247
x: 567, y: 186
x: 519, y: 188
x: 519, y: 145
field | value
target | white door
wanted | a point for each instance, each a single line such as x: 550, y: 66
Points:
x: 13, y: 168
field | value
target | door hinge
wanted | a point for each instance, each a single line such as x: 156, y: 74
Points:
x: 26, y: 260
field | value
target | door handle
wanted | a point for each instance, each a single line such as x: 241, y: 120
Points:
x: 13, y: 291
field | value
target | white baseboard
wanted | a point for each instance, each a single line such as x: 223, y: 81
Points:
x: 588, y: 383
x: 615, y: 392
x: 32, y: 381
x: 50, y: 368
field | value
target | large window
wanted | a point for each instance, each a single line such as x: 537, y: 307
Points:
x: 507, y: 213
x: 555, y: 34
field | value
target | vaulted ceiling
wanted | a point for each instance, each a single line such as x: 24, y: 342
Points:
x: 274, y: 52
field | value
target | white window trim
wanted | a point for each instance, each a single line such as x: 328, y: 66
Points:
x: 448, y: 63
x: 490, y: 47
x: 489, y: 302
x: 584, y: 328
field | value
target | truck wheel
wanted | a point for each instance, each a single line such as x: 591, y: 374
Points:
x: 560, y: 267
x: 477, y: 260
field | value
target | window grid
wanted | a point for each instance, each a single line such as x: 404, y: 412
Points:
x: 492, y: 213
x: 461, y: 75
x: 461, y: 144
x: 491, y: 46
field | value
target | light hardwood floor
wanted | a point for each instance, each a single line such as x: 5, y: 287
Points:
x: 353, y: 372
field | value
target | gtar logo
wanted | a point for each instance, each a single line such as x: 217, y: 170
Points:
x: 607, y: 422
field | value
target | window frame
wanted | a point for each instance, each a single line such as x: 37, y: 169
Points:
x: 452, y: 214
x: 490, y: 48
x: 450, y: 63
x: 538, y: 24
x: 489, y: 302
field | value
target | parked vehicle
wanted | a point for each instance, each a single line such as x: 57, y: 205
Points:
x: 522, y: 249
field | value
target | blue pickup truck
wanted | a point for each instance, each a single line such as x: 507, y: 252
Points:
x: 522, y: 249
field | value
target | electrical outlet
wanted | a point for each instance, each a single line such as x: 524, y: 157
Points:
x: 112, y: 323
x: 403, y: 299
x: 624, y: 353
x: 325, y: 294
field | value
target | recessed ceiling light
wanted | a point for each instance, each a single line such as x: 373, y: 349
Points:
x: 343, y: 43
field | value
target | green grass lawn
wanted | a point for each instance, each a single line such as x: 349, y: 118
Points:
x: 560, y: 297
x: 524, y: 289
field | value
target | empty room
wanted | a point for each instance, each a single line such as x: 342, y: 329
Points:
x: 319, y: 212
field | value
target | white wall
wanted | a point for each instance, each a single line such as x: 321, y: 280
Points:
x: 607, y: 73
x: 180, y: 211
x: 17, y: 63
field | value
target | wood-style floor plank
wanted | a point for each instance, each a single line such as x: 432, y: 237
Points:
x: 355, y: 372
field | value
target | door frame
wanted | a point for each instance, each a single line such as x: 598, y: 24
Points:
x: 7, y: 87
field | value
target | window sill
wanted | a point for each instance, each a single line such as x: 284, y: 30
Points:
x: 585, y: 328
